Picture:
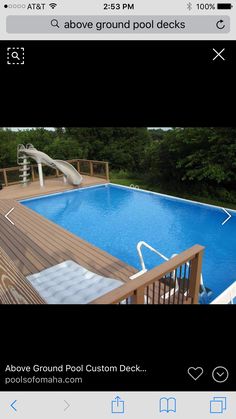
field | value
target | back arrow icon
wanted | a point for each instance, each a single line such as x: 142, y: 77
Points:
x: 6, y: 216
x: 12, y: 405
x: 67, y: 405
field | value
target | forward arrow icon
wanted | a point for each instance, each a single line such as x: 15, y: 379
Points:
x: 228, y: 218
x: 67, y: 405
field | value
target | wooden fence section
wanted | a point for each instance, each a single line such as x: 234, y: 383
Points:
x: 100, y: 169
x: 176, y: 281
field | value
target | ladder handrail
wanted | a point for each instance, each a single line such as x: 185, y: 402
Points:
x: 139, y: 250
x: 144, y: 269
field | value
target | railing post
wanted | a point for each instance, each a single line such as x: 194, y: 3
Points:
x: 195, y: 277
x: 107, y: 170
x: 32, y: 173
x: 91, y: 167
x: 78, y: 165
x: 5, y: 177
x: 138, y: 297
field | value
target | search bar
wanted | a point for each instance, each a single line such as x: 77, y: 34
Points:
x: 117, y: 24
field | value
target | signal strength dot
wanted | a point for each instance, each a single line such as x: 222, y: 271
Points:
x: 53, y: 5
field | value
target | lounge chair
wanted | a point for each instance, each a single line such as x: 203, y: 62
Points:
x: 65, y: 283
x: 70, y: 283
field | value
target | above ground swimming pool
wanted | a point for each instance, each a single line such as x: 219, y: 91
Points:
x: 115, y: 218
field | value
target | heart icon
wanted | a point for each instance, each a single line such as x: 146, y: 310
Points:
x: 195, y: 372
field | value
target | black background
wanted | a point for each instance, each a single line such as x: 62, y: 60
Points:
x: 166, y: 341
x: 147, y: 83
x: 121, y: 84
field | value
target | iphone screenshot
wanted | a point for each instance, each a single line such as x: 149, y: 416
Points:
x: 117, y: 209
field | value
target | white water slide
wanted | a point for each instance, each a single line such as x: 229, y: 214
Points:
x: 71, y: 174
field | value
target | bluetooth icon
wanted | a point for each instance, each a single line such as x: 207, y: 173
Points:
x: 189, y: 6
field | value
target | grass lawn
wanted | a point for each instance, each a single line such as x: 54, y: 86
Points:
x: 128, y: 180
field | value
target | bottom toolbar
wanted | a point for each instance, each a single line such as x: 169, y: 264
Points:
x: 133, y: 405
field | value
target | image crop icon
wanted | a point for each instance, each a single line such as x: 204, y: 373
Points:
x: 15, y: 55
x: 167, y: 405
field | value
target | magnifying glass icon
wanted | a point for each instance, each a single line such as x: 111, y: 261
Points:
x: 55, y: 23
x: 15, y: 55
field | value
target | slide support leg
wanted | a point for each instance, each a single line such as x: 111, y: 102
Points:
x: 40, y: 175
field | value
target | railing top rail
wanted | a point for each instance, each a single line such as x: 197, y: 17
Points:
x: 147, y: 278
x: 93, y: 161
x: 9, y: 169
x: 69, y: 161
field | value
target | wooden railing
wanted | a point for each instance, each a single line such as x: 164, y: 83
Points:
x: 158, y: 286
x: 176, y: 281
x: 10, y: 175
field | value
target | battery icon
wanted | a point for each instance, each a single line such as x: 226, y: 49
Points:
x: 224, y: 6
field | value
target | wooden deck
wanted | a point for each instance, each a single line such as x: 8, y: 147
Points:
x: 52, y: 185
x: 35, y: 243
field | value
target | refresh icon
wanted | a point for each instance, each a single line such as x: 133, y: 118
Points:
x: 220, y: 24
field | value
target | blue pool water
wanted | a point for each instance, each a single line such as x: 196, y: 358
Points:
x: 116, y: 218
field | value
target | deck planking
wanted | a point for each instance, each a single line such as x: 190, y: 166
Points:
x: 35, y: 243
x: 52, y: 185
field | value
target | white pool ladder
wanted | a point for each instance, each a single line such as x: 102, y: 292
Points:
x: 144, y: 269
x: 139, y: 250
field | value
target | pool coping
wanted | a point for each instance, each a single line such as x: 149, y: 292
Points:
x: 175, y: 198
x: 171, y: 197
x: 60, y: 193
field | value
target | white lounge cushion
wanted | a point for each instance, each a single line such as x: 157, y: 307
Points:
x: 70, y: 283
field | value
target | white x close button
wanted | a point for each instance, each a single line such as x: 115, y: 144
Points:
x: 218, y: 54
